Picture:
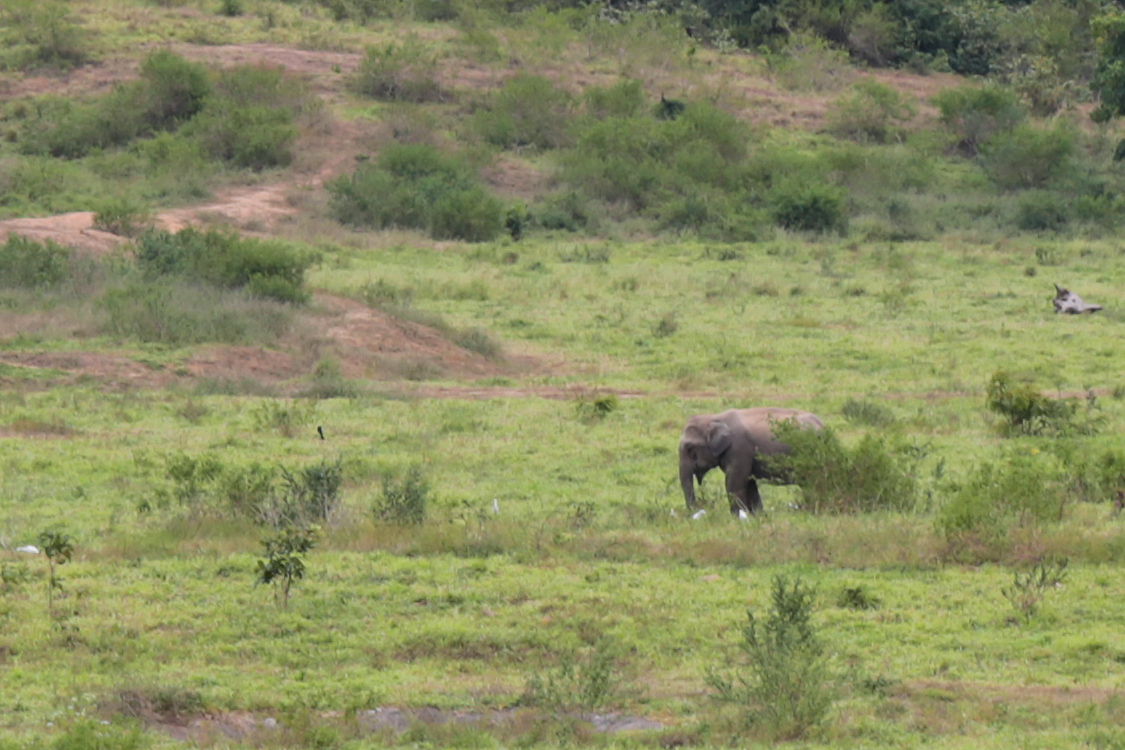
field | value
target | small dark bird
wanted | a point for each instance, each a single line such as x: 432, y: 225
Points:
x: 320, y: 431
x: 669, y: 109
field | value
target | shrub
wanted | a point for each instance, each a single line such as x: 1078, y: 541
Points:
x: 1041, y: 211
x: 1025, y: 487
x: 788, y: 687
x: 974, y: 114
x: 626, y: 98
x: 28, y: 264
x: 404, y: 499
x: 808, y: 206
x: 1030, y: 587
x: 266, y: 268
x: 1026, y: 411
x: 174, y: 90
x: 122, y: 217
x: 417, y: 186
x: 581, y: 683
x: 868, y: 413
x: 37, y: 34
x: 1027, y: 156
x: 872, y: 476
x: 282, y: 563
x: 404, y: 73
x: 528, y: 111
x: 872, y: 113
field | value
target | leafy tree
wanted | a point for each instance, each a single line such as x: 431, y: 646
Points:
x: 1109, y: 75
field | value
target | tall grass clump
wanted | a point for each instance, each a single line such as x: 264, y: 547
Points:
x: 579, y: 684
x: 416, y: 186
x: 876, y: 474
x: 27, y: 264
x: 787, y: 687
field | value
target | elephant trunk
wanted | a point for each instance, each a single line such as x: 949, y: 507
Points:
x: 687, y: 481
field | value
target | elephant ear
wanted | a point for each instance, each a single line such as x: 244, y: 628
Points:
x: 718, y: 438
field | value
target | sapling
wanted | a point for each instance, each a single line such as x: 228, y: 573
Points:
x: 59, y: 548
x: 282, y: 563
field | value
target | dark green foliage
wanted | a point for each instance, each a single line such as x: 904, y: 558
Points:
x: 398, y: 73
x: 404, y: 499
x: 173, y: 90
x: 417, y: 186
x: 787, y: 687
x: 856, y: 597
x: 27, y: 264
x: 122, y: 217
x: 1093, y: 476
x: 809, y: 207
x: 1027, y: 156
x: 268, y: 269
x: 282, y: 563
x: 1040, y: 211
x: 874, y: 475
x: 529, y: 111
x: 974, y: 114
x: 1026, y: 411
x: 1109, y: 76
x: 313, y: 493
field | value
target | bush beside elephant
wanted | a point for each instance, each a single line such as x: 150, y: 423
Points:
x: 739, y: 441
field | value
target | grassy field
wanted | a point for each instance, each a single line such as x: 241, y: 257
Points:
x: 537, y: 390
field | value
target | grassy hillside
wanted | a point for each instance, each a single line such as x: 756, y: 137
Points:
x: 438, y: 290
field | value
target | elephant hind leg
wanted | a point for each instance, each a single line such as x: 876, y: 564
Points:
x: 753, y: 497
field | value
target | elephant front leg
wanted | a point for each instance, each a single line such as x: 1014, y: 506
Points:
x: 750, y: 500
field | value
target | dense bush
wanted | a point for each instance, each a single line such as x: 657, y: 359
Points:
x: 1024, y: 487
x: 404, y: 498
x: 1027, y: 156
x: 266, y: 268
x: 809, y: 206
x: 398, y: 73
x: 1026, y: 411
x: 417, y: 186
x: 874, y: 475
x: 528, y: 111
x: 974, y: 114
x: 872, y: 113
x: 27, y: 264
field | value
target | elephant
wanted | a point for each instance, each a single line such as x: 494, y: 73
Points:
x: 739, y: 441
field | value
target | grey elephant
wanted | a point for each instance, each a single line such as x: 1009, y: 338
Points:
x: 739, y: 441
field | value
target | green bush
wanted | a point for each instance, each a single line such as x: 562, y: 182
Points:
x: 580, y: 684
x: 873, y: 113
x: 625, y: 99
x: 528, y: 111
x: 173, y: 89
x: 122, y: 217
x: 1027, y: 156
x: 417, y: 186
x: 808, y: 206
x: 399, y: 73
x: 874, y: 475
x: 265, y: 268
x: 1026, y: 411
x: 787, y: 687
x: 36, y: 34
x: 974, y: 114
x: 1025, y: 487
x: 404, y: 499
x: 27, y: 264
x: 1041, y: 211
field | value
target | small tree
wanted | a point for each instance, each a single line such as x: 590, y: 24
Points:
x: 788, y: 688
x: 58, y: 548
x: 282, y: 563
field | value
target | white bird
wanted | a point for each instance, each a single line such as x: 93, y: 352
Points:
x: 742, y: 514
x: 495, y: 505
x: 30, y: 549
x: 698, y: 514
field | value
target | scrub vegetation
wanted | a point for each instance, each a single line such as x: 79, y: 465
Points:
x: 375, y: 445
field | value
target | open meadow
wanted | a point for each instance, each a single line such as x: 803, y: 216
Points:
x: 345, y: 350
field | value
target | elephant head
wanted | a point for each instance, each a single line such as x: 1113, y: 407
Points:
x: 739, y: 441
